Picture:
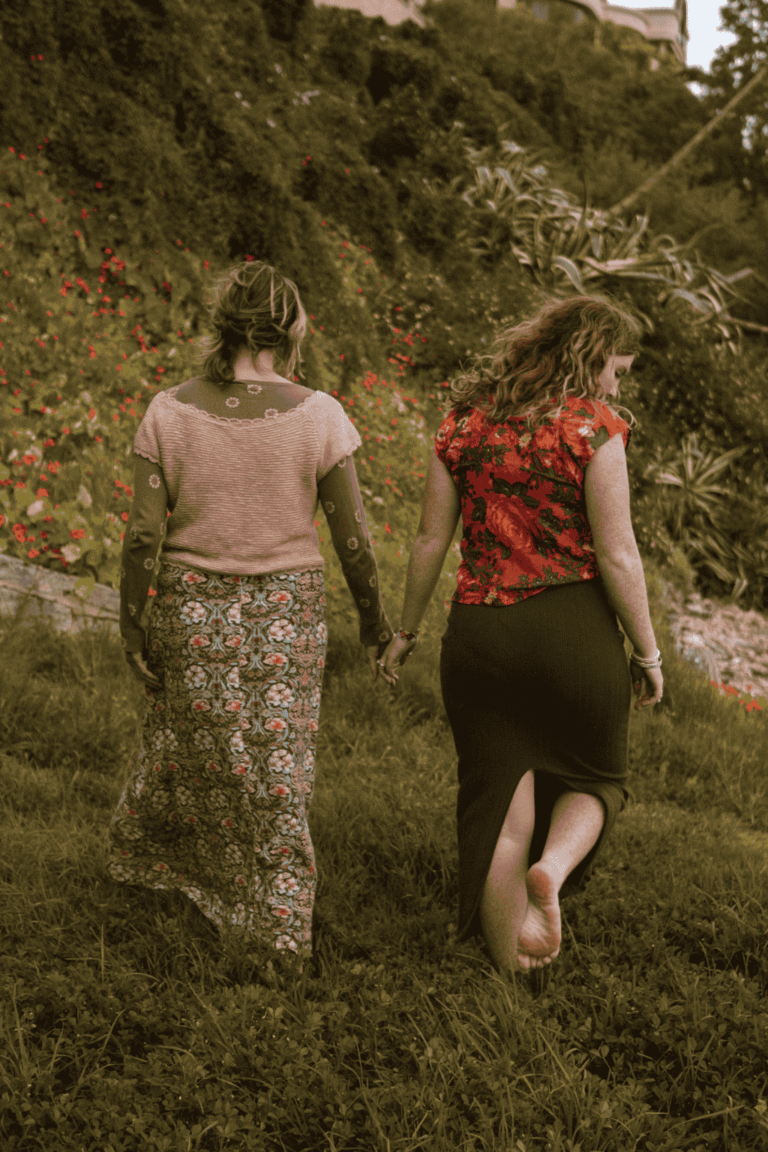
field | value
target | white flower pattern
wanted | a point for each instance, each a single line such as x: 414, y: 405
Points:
x: 154, y: 480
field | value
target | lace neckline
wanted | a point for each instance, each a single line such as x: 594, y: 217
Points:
x: 270, y: 414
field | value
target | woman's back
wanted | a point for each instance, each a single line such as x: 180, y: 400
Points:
x: 522, y: 496
x: 241, y: 470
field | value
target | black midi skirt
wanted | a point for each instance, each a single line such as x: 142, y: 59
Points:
x: 540, y: 685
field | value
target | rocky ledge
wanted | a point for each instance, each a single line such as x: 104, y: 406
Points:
x: 54, y: 595
x: 727, y: 643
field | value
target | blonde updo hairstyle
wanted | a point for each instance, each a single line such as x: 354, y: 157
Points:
x: 254, y: 306
x: 560, y: 352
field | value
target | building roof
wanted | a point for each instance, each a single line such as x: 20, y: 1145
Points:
x: 659, y: 25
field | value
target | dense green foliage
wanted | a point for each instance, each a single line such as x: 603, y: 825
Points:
x: 128, y: 1025
x: 172, y: 138
x: 141, y: 97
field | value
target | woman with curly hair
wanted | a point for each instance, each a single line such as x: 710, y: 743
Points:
x: 533, y: 671
x: 229, y: 468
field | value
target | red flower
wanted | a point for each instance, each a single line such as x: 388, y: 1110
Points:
x: 508, y: 523
x: 546, y: 438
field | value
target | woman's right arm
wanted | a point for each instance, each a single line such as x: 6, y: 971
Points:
x: 606, y: 491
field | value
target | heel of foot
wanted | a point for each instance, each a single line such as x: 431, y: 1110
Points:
x: 540, y: 932
x: 540, y: 886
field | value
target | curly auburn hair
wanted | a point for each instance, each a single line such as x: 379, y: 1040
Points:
x: 559, y: 352
x: 256, y: 306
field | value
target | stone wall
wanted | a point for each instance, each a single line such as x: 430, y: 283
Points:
x: 42, y: 593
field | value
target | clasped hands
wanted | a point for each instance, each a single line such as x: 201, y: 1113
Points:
x: 394, y: 654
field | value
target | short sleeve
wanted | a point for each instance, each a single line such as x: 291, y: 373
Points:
x: 590, y: 423
x: 146, y: 442
x: 443, y: 438
x: 336, y: 433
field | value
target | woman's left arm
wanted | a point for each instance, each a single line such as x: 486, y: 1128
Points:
x: 143, y: 536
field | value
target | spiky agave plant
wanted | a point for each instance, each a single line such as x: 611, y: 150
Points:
x: 720, y: 528
x: 519, y: 210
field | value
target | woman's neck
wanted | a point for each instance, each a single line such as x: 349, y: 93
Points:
x: 246, y: 368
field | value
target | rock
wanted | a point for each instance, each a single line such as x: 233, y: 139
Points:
x: 727, y: 643
x: 53, y: 595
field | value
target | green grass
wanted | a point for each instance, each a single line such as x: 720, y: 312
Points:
x: 125, y: 1024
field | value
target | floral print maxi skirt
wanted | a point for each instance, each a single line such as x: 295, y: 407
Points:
x: 217, y: 806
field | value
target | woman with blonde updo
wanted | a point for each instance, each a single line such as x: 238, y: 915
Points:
x: 229, y: 468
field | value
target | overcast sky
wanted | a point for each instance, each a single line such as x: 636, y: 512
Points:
x: 703, y: 24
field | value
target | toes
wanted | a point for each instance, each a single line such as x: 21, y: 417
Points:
x: 529, y: 963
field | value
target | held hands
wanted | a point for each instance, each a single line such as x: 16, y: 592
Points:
x: 394, y: 654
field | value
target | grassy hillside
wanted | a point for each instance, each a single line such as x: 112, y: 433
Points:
x: 127, y: 1025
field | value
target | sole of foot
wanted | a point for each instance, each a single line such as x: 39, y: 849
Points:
x: 540, y: 934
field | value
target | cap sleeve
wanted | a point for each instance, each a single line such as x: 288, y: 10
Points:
x: 444, y: 437
x: 146, y: 442
x: 337, y: 435
x: 589, y: 424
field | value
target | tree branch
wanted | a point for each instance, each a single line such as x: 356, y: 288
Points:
x: 622, y: 206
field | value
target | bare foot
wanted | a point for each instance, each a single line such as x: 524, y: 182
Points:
x: 539, y: 941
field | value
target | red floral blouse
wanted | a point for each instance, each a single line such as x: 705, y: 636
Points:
x: 522, y: 498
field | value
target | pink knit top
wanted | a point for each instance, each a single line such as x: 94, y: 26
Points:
x: 243, y: 493
x: 240, y: 494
